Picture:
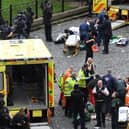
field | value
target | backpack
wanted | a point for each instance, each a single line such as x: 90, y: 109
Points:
x: 90, y: 107
x: 120, y: 87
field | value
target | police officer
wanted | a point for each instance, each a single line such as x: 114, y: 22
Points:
x: 83, y: 79
x: 19, y: 27
x: 78, y: 106
x: 100, y: 92
x: 90, y: 3
x: 47, y: 9
x: 5, y: 119
x: 107, y: 34
x: 29, y: 16
x: 68, y: 88
x: 20, y: 121
x: 100, y: 26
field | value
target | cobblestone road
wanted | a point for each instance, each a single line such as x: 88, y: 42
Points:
x: 117, y: 60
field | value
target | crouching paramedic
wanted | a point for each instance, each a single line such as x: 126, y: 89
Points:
x: 68, y: 88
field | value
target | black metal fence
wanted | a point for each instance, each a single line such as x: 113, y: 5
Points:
x: 58, y: 5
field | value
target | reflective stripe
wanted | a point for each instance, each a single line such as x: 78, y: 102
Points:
x: 69, y: 86
x: 51, y: 84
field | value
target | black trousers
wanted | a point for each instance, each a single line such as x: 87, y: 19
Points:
x: 48, y: 31
x: 79, y: 111
x: 68, y: 107
x: 89, y: 53
x: 90, y: 9
x: 100, y: 108
x: 106, y: 43
x: 85, y: 91
x: 114, y: 120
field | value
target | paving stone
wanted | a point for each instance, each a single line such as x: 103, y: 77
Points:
x: 117, y: 60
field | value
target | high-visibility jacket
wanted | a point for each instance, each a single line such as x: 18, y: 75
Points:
x: 69, y: 86
x: 82, y: 79
x: 127, y: 96
x: 60, y: 81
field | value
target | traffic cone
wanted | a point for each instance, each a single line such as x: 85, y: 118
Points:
x: 95, y: 48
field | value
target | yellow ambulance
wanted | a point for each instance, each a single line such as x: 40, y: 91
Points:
x: 27, y: 77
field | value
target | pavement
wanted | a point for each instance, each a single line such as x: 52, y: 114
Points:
x: 117, y: 60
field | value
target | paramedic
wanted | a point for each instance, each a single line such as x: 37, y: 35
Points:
x: 68, y: 88
x: 66, y: 74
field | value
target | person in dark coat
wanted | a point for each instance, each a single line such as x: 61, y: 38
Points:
x: 5, y: 119
x: 19, y: 120
x: 90, y: 3
x: 29, y: 16
x: 83, y: 30
x: 88, y: 45
x: 47, y: 9
x: 109, y: 82
x: 78, y: 106
x: 100, y: 27
x: 107, y: 33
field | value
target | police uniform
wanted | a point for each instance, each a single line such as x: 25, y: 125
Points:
x: 47, y: 16
x: 83, y: 79
x: 107, y: 34
x: 100, y: 107
x: 78, y: 106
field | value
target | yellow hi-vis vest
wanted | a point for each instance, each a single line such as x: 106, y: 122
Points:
x: 60, y: 81
x: 82, y: 79
x: 69, y: 86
